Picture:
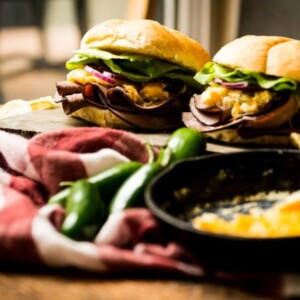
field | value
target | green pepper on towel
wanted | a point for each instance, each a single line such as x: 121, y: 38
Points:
x: 106, y: 182
x: 131, y: 191
x: 182, y: 143
x: 84, y: 207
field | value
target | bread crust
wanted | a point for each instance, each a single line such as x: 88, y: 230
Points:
x: 149, y: 38
x: 230, y: 136
x: 101, y: 117
x: 272, y: 55
x: 107, y: 118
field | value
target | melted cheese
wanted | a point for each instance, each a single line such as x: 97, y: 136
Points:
x: 235, y: 100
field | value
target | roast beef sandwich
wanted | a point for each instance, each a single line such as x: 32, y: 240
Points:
x: 132, y: 74
x: 252, y: 92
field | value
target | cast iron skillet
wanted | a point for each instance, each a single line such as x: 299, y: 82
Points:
x: 246, y: 173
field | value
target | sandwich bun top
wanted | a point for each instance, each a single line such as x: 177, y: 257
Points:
x: 271, y: 55
x: 148, y: 38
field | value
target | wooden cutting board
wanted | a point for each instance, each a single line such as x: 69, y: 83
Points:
x: 29, y: 124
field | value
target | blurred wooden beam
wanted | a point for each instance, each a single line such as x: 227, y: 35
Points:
x: 140, y: 9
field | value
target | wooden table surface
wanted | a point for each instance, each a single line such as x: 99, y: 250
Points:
x: 23, y: 283
x: 45, y: 120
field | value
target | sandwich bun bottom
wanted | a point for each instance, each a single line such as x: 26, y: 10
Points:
x: 106, y: 118
x: 101, y: 117
x: 230, y: 136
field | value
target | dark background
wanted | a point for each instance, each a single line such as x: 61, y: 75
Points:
x: 270, y: 17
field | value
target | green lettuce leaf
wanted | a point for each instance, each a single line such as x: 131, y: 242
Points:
x: 134, y: 67
x: 213, y: 70
x: 78, y: 60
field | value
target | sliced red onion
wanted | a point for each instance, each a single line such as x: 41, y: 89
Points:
x: 100, y: 75
x: 232, y: 85
x: 114, y: 76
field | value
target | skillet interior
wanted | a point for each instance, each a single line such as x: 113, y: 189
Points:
x: 214, y: 177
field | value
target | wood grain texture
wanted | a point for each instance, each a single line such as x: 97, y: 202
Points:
x: 43, y: 286
x: 29, y: 124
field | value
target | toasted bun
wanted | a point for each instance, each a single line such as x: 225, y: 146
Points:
x: 272, y: 55
x: 101, y: 117
x: 230, y: 136
x: 106, y: 118
x: 149, y: 38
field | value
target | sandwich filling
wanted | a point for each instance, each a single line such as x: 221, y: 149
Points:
x: 253, y: 103
x: 126, y: 84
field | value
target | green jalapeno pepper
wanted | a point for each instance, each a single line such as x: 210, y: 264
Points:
x: 131, y: 191
x: 183, y: 143
x: 106, y: 182
x: 84, y: 207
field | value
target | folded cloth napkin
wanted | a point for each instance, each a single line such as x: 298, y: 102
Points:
x: 31, y: 170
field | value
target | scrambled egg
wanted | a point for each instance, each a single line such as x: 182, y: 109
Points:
x: 235, y: 100
x: 281, y: 220
x: 81, y: 76
x: 149, y: 93
x: 131, y: 92
x: 154, y: 91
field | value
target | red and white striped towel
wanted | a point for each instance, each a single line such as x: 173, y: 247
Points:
x: 30, y: 172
